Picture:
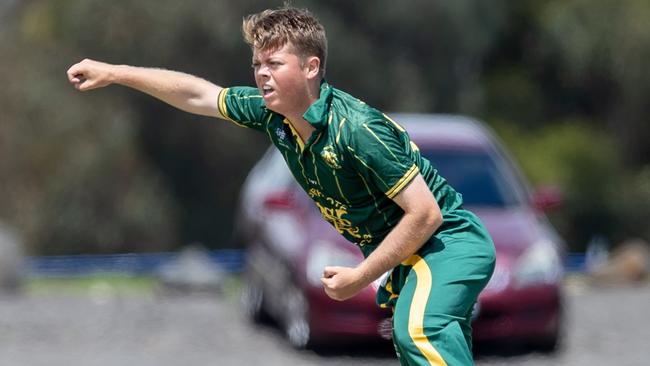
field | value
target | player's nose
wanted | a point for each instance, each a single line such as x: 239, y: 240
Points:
x: 262, y: 71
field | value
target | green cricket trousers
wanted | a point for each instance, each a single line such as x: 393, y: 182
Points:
x: 433, y: 292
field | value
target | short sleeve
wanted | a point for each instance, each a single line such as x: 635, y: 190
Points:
x: 244, y: 106
x: 381, y: 154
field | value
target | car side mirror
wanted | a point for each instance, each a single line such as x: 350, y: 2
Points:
x: 282, y: 200
x: 547, y: 198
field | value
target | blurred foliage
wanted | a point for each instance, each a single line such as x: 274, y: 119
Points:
x: 600, y: 49
x: 593, y: 180
x: 563, y: 81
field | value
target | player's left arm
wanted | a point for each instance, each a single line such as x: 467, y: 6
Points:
x: 421, y: 219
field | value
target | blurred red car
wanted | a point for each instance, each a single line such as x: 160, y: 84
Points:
x: 289, y: 244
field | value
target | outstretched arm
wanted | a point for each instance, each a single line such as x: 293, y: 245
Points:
x: 183, y: 91
x: 421, y: 219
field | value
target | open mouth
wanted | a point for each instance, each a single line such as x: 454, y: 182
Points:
x: 267, y: 91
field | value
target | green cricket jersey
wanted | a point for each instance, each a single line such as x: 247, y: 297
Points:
x: 355, y: 162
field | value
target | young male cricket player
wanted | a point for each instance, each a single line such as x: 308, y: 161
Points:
x: 364, y: 174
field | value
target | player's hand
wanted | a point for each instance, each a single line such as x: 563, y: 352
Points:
x: 342, y: 283
x: 89, y: 74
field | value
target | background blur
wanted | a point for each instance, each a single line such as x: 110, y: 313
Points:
x: 565, y: 83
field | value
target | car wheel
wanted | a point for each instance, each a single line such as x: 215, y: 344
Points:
x: 553, y: 341
x: 550, y: 344
x: 253, y: 302
x: 297, y: 327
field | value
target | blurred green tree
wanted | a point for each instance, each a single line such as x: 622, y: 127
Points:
x: 600, y: 49
x: 114, y: 170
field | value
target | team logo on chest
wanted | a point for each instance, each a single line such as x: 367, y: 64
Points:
x: 282, y: 137
x: 330, y: 158
x: 280, y: 133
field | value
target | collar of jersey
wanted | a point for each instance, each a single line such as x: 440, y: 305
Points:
x: 317, y: 113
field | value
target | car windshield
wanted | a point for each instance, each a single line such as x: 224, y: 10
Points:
x: 476, y: 176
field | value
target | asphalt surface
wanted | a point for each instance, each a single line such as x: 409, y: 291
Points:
x: 606, y: 326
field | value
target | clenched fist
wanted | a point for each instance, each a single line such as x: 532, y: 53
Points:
x: 89, y: 74
x: 342, y: 283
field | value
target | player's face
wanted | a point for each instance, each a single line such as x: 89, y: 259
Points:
x: 282, y: 78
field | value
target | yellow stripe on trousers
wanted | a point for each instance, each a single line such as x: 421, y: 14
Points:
x: 416, y: 313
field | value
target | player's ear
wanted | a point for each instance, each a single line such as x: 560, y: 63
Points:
x: 313, y: 67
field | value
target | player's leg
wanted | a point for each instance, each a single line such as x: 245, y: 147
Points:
x: 431, y: 323
x: 403, y: 361
x: 426, y: 338
x: 466, y: 327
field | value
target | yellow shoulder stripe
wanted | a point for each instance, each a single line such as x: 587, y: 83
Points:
x: 403, y: 182
x: 223, y: 108
x: 414, y: 147
x: 397, y: 125
x: 382, y: 143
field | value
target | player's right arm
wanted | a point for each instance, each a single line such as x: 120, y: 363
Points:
x: 183, y: 91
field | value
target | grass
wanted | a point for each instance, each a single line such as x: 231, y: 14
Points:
x: 111, y: 284
x: 114, y: 283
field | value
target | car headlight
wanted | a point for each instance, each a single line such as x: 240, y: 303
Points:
x: 325, y: 254
x: 540, y: 264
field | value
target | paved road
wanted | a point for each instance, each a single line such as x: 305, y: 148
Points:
x: 606, y: 327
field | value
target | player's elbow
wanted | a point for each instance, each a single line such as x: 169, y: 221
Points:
x: 433, y: 218
x: 202, y: 99
x: 429, y: 217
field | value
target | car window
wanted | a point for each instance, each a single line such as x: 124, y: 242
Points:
x: 477, y: 176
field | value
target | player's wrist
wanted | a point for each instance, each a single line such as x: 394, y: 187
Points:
x: 364, y: 275
x: 117, y: 74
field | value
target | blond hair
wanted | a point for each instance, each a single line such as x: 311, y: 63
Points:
x: 273, y: 28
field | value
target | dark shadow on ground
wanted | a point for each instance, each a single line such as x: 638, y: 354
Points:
x: 511, y: 350
x: 379, y: 350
